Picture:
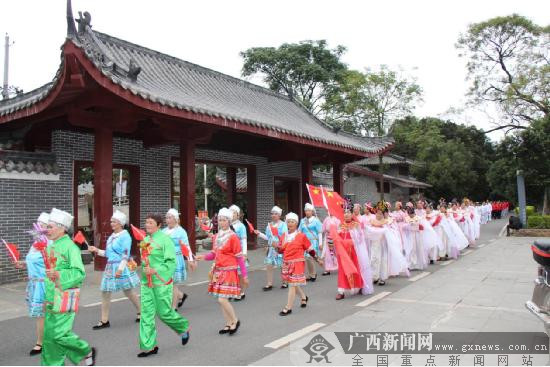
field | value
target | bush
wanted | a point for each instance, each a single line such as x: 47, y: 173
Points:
x: 538, y: 221
x: 529, y: 209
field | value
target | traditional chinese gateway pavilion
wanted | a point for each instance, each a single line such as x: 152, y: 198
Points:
x: 116, y: 106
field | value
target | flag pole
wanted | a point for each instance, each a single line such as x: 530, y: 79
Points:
x: 325, y: 200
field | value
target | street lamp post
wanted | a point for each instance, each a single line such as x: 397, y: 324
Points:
x: 521, y: 198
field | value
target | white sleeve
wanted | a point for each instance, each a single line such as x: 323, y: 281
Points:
x: 101, y: 253
x: 263, y: 236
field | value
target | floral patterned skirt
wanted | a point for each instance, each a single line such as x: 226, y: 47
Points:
x: 35, y: 297
x: 127, y: 280
x: 293, y: 272
x: 224, y: 283
x: 180, y: 275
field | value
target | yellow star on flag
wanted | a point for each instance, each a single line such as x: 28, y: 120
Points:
x: 316, y: 191
x: 329, y: 194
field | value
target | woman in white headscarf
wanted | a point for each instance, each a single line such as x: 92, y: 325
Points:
x: 224, y: 279
x: 311, y: 226
x: 120, y: 271
x: 273, y: 234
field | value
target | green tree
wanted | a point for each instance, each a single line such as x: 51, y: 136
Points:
x: 509, y: 65
x: 302, y: 70
x: 452, y: 158
x: 369, y: 102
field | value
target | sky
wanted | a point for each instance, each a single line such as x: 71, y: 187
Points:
x: 416, y: 36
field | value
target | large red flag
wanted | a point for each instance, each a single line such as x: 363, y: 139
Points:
x: 335, y: 204
x: 316, y: 196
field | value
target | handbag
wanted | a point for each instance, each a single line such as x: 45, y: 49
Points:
x: 65, y: 301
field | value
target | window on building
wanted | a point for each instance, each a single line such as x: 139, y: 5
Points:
x: 386, y: 187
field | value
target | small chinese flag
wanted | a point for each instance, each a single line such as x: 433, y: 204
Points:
x: 316, y: 196
x: 335, y: 204
x: 250, y: 226
x: 12, y: 251
x: 138, y: 234
x: 79, y: 238
x: 184, y: 249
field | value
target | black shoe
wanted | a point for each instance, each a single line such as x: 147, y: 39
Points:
x: 34, y: 352
x: 431, y: 262
x: 102, y: 325
x: 381, y: 282
x: 267, y: 288
x: 285, y: 312
x: 185, y: 337
x: 138, y: 318
x: 303, y: 304
x: 180, y: 303
x: 225, y: 330
x: 233, y: 331
x: 326, y: 273
x: 155, y: 350
x: 284, y: 286
x: 89, y: 360
x: 313, y: 279
x: 241, y: 297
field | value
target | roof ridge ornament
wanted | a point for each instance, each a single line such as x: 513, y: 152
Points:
x: 71, y: 29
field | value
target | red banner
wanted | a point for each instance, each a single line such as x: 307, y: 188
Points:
x: 335, y: 204
x: 316, y: 196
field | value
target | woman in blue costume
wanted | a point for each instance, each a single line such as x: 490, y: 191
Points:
x: 240, y: 231
x: 274, y: 231
x: 179, y: 236
x: 312, y: 227
x: 36, y: 270
x: 117, y: 275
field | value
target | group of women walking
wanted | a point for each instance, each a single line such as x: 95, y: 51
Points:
x: 367, y: 247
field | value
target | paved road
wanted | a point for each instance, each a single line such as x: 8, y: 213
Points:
x: 260, y: 324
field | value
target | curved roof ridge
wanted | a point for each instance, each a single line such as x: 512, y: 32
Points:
x: 106, y: 37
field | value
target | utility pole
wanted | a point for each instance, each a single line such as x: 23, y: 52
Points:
x: 5, y: 92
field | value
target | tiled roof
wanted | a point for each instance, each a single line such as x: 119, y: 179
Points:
x: 172, y: 82
x: 391, y: 159
x: 28, y: 162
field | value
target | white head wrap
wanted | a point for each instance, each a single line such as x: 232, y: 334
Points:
x: 119, y: 217
x: 235, y: 209
x: 226, y: 213
x: 61, y: 217
x: 174, y: 213
x: 43, y: 218
x: 276, y: 210
x: 292, y: 216
x: 308, y: 206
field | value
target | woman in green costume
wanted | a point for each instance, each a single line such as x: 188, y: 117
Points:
x: 158, y: 262
x: 65, y: 272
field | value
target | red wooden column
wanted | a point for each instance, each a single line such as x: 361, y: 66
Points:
x: 338, y: 177
x: 231, y: 181
x: 103, y: 190
x: 307, y: 178
x: 187, y: 189
x: 252, y: 205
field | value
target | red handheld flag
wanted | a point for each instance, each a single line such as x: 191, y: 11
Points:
x: 138, y: 234
x: 184, y: 249
x: 12, y: 251
x: 79, y: 238
x: 250, y: 226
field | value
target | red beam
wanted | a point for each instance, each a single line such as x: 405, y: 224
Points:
x: 251, y: 197
x: 103, y: 190
x: 307, y: 177
x: 187, y: 189
x: 338, y: 178
x: 231, y: 179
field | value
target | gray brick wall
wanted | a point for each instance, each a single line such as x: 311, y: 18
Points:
x: 22, y: 201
